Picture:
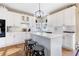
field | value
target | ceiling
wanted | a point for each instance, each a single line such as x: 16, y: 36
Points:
x: 32, y: 7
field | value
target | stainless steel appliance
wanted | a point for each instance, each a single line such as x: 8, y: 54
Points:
x: 2, y: 28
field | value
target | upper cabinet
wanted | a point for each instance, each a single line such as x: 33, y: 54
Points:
x: 10, y: 19
x: 51, y: 20
x: 59, y: 18
x: 28, y: 22
x: 64, y: 17
x: 19, y: 22
x: 56, y: 19
x: 17, y: 19
x: 3, y: 12
x: 33, y: 23
x: 69, y: 16
x: 13, y: 19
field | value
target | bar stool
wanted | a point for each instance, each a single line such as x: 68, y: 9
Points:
x: 38, y: 50
x: 77, y: 48
x: 26, y: 44
x: 26, y: 41
x: 29, y: 44
x: 77, y: 52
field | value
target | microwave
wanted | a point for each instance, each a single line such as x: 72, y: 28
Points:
x: 2, y: 28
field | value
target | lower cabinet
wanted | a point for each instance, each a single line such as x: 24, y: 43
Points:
x: 69, y: 41
x: 13, y: 38
x: 2, y: 42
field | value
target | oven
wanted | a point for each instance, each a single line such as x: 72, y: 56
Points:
x: 2, y: 28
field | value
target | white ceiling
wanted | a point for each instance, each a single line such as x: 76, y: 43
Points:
x: 32, y: 7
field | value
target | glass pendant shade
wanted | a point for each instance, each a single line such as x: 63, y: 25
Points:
x: 39, y: 13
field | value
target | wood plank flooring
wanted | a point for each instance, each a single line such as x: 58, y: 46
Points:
x: 15, y: 50
x: 66, y: 52
x: 18, y: 50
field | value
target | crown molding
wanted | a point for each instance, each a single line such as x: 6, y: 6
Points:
x: 65, y: 7
x: 15, y: 10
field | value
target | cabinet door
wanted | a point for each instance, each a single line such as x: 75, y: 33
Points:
x: 3, y: 13
x: 69, y: 16
x: 56, y: 19
x: 59, y: 18
x: 68, y: 41
x: 2, y: 42
x: 51, y: 22
x: 9, y: 38
x: 56, y: 50
x: 73, y: 15
x: 17, y: 20
x: 10, y: 19
x: 32, y: 24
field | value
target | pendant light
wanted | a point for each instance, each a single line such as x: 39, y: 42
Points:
x: 39, y: 13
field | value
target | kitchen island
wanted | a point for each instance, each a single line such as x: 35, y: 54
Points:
x: 51, y: 42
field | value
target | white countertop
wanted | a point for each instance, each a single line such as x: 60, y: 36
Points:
x: 48, y: 35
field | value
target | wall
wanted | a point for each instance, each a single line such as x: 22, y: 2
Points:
x: 77, y: 23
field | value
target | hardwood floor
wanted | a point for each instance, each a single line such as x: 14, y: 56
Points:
x: 18, y: 50
x: 15, y: 50
x: 66, y: 52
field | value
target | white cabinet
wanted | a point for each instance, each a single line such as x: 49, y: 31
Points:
x: 68, y: 41
x: 10, y: 19
x: 3, y: 12
x: 56, y: 50
x: 13, y: 38
x: 9, y: 38
x: 29, y: 22
x: 69, y: 20
x: 66, y: 17
x: 32, y: 23
x: 14, y: 19
x: 56, y: 19
x: 59, y: 18
x: 17, y: 20
x: 51, y: 22
x: 2, y: 42
x: 69, y: 16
